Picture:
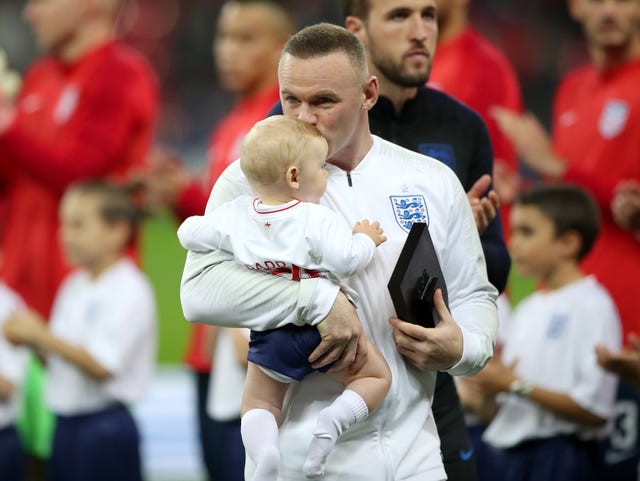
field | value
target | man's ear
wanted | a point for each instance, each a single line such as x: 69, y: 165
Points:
x: 355, y: 25
x: 371, y: 92
x: 291, y: 177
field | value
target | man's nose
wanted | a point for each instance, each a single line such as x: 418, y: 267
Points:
x: 307, y: 114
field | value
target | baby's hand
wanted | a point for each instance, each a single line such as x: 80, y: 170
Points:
x: 372, y: 230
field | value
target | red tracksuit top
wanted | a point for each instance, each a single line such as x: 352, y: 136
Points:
x: 596, y: 129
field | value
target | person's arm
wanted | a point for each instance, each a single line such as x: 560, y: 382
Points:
x: 28, y: 328
x: 102, y: 123
x: 7, y: 389
x: 199, y: 233
x: 497, y: 378
x: 534, y: 147
x: 336, y: 247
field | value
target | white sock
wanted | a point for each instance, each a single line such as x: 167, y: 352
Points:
x: 259, y: 431
x: 348, y: 408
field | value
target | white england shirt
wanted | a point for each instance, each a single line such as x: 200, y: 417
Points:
x: 553, y: 335
x: 13, y: 359
x: 113, y: 317
x: 395, y: 187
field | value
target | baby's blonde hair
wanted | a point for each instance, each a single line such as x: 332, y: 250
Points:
x: 273, y: 145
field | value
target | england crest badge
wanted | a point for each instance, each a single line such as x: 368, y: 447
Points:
x: 613, y: 118
x: 408, y: 209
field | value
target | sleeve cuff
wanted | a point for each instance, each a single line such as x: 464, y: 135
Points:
x: 473, y: 358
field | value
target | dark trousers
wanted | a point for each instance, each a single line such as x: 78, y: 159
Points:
x: 12, y: 457
x: 220, y: 441
x: 455, y: 444
x: 101, y: 446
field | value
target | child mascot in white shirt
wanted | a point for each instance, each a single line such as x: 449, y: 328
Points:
x: 554, y: 399
x: 99, y: 345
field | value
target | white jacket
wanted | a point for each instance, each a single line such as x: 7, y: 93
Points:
x: 391, y: 185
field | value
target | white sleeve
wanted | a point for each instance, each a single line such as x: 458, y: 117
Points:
x: 335, y: 247
x: 216, y: 290
x: 199, y: 233
x: 472, y: 297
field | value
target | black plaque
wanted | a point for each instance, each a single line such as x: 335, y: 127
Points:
x: 416, y: 277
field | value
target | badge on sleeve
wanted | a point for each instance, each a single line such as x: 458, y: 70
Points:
x: 613, y: 118
x: 408, y: 209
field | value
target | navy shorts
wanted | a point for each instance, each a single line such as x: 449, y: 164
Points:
x: 100, y: 446
x: 12, y: 458
x: 285, y: 350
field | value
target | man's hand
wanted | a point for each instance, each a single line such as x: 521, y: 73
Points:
x: 436, y: 348
x: 165, y: 180
x: 625, y: 206
x: 625, y: 362
x: 484, y: 208
x: 531, y: 141
x: 496, y: 376
x: 343, y: 342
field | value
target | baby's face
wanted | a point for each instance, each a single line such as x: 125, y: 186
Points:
x: 313, y: 172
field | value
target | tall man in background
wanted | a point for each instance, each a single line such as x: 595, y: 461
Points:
x: 249, y: 37
x: 400, y: 41
x: 596, y: 143
x: 86, y: 109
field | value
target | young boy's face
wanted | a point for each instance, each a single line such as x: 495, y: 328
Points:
x: 313, y: 173
x: 534, y: 246
x: 86, y: 238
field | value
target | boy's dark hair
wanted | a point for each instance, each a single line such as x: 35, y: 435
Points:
x: 117, y: 204
x: 569, y: 207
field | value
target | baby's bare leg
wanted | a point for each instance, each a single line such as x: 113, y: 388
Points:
x: 364, y: 392
x: 261, y: 408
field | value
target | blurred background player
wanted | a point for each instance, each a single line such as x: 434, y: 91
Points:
x: 558, y: 401
x: 99, y: 346
x: 249, y: 37
x: 595, y: 143
x: 473, y: 70
x: 13, y: 370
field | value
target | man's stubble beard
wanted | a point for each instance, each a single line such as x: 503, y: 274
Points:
x: 395, y: 72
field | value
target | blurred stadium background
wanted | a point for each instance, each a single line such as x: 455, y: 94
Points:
x: 176, y: 36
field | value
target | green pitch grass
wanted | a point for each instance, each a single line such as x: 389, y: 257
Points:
x: 163, y: 260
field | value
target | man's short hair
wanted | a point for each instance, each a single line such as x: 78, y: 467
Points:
x: 356, y: 8
x: 323, y: 39
x: 569, y: 207
x: 273, y: 145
